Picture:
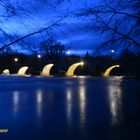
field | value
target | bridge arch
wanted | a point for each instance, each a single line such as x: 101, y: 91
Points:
x: 72, y: 68
x: 107, y: 72
x: 46, y: 70
x: 6, y: 72
x: 22, y: 70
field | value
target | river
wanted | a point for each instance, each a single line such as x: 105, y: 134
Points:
x: 60, y: 108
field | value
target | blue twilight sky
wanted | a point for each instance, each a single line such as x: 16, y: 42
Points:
x: 35, y: 14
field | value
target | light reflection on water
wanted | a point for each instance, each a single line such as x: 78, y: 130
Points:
x: 69, y: 105
x: 16, y: 101
x: 61, y: 106
x: 115, y: 100
x: 79, y: 95
x: 82, y: 104
x: 39, y: 100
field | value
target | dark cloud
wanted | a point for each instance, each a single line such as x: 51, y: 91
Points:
x: 41, y: 13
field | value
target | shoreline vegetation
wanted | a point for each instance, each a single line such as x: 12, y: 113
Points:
x: 93, y: 66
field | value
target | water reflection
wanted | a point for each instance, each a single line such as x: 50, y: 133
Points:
x: 15, y: 101
x: 115, y: 101
x: 78, y: 95
x: 39, y: 100
x: 69, y: 104
x: 82, y: 104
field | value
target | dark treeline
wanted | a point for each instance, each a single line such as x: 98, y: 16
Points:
x: 95, y: 66
x: 117, y: 20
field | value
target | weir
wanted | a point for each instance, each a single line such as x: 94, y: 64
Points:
x: 72, y: 68
x: 107, y: 72
x: 22, y: 70
x: 6, y: 72
x: 46, y: 70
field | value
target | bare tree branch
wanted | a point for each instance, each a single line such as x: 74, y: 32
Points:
x: 116, y: 18
x: 33, y: 33
x: 119, y: 33
x: 109, y: 11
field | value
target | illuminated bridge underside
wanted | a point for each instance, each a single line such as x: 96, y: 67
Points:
x: 107, y: 72
x: 46, y: 70
x: 22, y: 70
x: 72, y: 68
x: 6, y: 72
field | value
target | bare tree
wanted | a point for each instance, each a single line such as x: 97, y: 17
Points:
x: 119, y: 20
x: 18, y: 9
x: 52, y: 48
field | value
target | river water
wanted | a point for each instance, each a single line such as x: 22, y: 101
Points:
x: 80, y: 108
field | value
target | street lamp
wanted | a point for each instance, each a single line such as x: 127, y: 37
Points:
x: 39, y: 56
x: 16, y: 59
x: 68, y: 52
x: 112, y: 51
x: 81, y: 63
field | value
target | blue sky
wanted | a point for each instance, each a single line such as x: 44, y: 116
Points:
x: 71, y: 31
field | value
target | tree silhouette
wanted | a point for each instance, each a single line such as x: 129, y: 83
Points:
x: 119, y: 20
x: 52, y: 48
x: 18, y: 10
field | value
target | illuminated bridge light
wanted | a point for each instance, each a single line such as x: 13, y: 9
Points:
x: 16, y: 59
x: 38, y: 56
x: 22, y: 70
x: 112, y: 51
x: 46, y: 70
x: 72, y: 68
x: 107, y: 72
x: 6, y: 72
x: 68, y: 52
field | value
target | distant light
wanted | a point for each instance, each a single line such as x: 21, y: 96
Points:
x: 16, y: 59
x: 68, y: 52
x: 82, y: 63
x: 38, y: 56
x: 112, y: 51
